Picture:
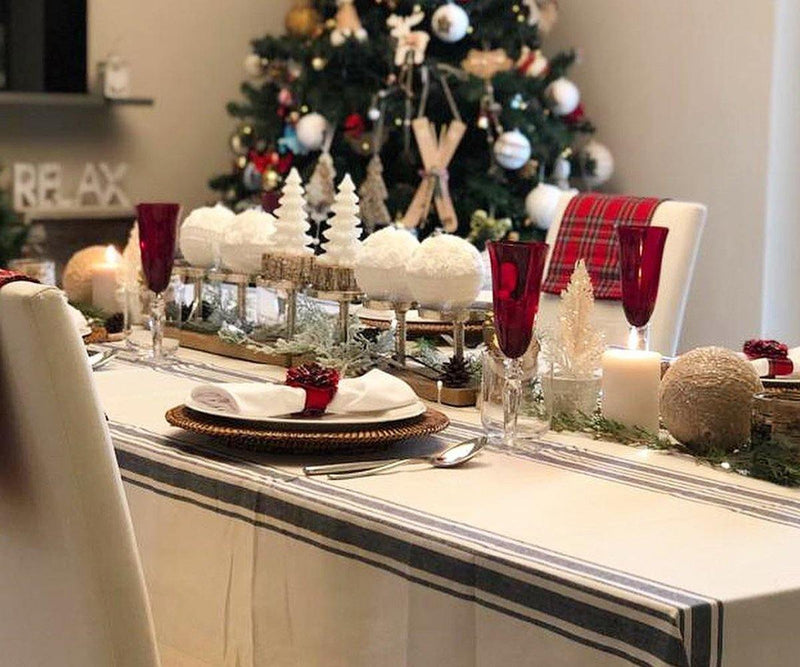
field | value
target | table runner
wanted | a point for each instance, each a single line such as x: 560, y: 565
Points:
x: 613, y: 611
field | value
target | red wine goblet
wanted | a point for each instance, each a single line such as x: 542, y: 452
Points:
x: 641, y: 250
x: 158, y: 225
x: 517, y: 269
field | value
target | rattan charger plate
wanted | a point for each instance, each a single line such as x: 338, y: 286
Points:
x: 298, y: 440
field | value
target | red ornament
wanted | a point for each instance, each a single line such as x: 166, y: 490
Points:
x: 354, y: 125
x: 319, y: 383
x: 285, y: 162
x: 576, y: 117
x: 269, y: 200
x: 261, y: 161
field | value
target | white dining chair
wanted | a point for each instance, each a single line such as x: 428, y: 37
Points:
x: 685, y: 222
x: 72, y: 592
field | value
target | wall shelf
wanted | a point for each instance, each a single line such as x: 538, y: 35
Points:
x: 82, y: 213
x: 14, y: 98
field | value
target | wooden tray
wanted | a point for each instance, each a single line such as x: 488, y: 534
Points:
x: 215, y: 345
x: 294, y: 439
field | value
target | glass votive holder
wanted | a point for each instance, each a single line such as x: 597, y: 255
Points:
x: 43, y: 270
x: 534, y: 412
x: 776, y: 415
x: 567, y: 394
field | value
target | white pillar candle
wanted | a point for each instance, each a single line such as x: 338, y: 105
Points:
x: 105, y: 282
x: 630, y: 387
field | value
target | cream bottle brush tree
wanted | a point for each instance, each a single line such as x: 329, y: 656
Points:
x: 291, y: 225
x: 343, y: 243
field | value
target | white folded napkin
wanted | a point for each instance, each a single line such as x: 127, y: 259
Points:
x: 374, y: 391
x: 762, y: 366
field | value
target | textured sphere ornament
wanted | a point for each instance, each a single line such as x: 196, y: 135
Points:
x: 386, y: 253
x: 541, y: 204
x: 512, y: 150
x: 303, y: 21
x: 254, y: 65
x: 445, y: 273
x: 202, y: 232
x: 77, y: 276
x: 450, y: 23
x: 603, y: 161
x: 311, y: 130
x: 706, y: 399
x: 564, y: 96
x: 246, y: 239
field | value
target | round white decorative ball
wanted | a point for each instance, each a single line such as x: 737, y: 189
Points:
x: 77, y: 276
x: 374, y: 113
x: 246, y: 239
x: 311, y: 130
x: 541, y: 204
x: 603, y: 163
x: 445, y: 272
x: 706, y: 399
x: 201, y: 234
x: 564, y: 96
x: 386, y: 253
x: 253, y: 65
x: 450, y: 23
x: 512, y: 150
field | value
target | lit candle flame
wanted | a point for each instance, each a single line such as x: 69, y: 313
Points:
x: 112, y: 256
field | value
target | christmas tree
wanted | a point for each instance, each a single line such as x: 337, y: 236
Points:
x: 456, y: 97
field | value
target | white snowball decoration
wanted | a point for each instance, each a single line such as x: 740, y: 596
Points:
x: 450, y: 23
x: 311, y: 130
x: 512, y: 150
x: 343, y: 235
x: 386, y: 253
x: 246, y: 239
x: 291, y: 226
x: 253, y: 65
x: 201, y: 234
x: 445, y: 272
x: 541, y: 204
x: 564, y: 96
x: 603, y: 163
x: 77, y: 276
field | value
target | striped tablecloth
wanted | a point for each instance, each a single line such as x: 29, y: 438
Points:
x: 578, y: 553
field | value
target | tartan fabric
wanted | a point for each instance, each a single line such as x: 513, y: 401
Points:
x: 12, y: 276
x: 588, y: 232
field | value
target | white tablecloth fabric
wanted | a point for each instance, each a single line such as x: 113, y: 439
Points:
x: 580, y: 553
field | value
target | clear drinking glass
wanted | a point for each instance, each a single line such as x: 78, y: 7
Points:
x: 517, y: 269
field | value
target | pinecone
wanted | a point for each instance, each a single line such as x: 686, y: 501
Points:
x: 455, y: 373
x: 115, y: 323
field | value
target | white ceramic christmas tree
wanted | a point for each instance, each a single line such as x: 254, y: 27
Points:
x: 290, y: 236
x: 343, y: 245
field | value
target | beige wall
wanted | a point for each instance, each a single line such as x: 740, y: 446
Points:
x: 187, y: 54
x: 680, y: 91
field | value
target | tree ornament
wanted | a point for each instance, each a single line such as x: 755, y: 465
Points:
x: 450, y: 23
x: 484, y: 227
x: 706, y: 399
x: 532, y: 63
x: 343, y: 243
x: 348, y: 24
x: 291, y: 225
x: 374, y: 114
x: 541, y: 204
x: 303, y: 21
x: 354, y: 125
x: 564, y: 96
x: 254, y: 65
x: 561, y: 172
x: 410, y: 44
x: 512, y: 149
x: 373, y: 193
x: 597, y: 163
x: 251, y: 178
x: 318, y: 63
x: 285, y: 97
x: 270, y: 179
x: 311, y: 130
x: 321, y: 189
x: 241, y: 140
x: 486, y: 64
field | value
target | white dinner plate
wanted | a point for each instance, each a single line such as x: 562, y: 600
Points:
x: 362, y: 418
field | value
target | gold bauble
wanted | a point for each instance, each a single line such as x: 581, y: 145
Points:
x: 303, y: 21
x: 270, y: 179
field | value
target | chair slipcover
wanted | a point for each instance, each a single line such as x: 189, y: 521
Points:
x: 73, y: 592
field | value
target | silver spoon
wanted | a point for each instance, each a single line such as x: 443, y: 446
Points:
x: 451, y: 457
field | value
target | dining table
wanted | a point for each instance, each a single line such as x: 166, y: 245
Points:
x: 565, y: 551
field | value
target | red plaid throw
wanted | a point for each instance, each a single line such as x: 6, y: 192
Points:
x: 12, y: 276
x: 588, y: 232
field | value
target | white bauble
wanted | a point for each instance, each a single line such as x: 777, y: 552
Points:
x: 564, y: 96
x: 450, y: 23
x: 311, y: 130
x: 445, y: 273
x: 386, y: 253
x: 541, y: 204
x: 512, y: 150
x: 202, y: 232
x: 603, y: 163
x: 246, y: 239
x: 253, y: 65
